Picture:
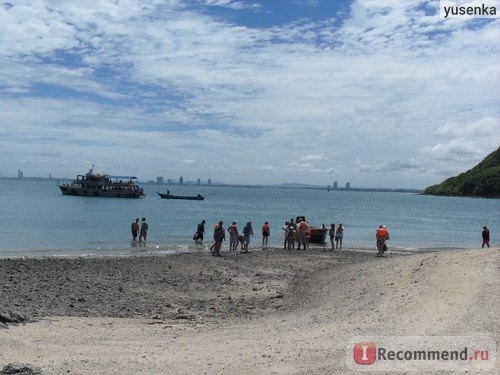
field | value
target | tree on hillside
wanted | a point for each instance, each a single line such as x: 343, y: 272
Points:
x: 481, y: 181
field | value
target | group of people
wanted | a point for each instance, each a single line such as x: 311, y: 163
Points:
x: 299, y: 231
x: 336, y: 236
x: 382, y: 235
x: 139, y: 229
x: 296, y: 231
x: 235, y: 239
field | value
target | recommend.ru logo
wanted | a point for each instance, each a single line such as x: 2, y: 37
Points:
x: 421, y: 353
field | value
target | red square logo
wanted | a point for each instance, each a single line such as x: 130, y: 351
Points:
x: 365, y: 353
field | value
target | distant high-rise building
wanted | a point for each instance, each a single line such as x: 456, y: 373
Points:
x: 169, y: 181
x: 19, y: 174
x: 199, y: 181
x: 210, y: 181
x: 181, y: 180
x: 348, y: 185
x: 159, y: 180
x: 335, y: 185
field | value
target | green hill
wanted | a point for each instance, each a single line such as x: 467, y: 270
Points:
x: 481, y: 181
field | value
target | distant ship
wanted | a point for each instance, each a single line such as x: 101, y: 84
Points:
x: 102, y: 185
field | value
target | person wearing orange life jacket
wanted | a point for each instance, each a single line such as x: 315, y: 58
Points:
x: 233, y: 236
x: 302, y: 229
x: 308, y: 236
x: 266, y: 231
x: 381, y: 235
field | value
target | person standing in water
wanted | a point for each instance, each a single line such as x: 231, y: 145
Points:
x: 134, y: 227
x: 144, y: 230
x: 200, y: 231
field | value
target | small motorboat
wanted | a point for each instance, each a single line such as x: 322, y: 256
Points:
x: 198, y: 197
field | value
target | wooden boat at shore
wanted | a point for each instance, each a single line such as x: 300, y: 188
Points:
x: 318, y: 234
x: 198, y: 197
x: 102, y: 185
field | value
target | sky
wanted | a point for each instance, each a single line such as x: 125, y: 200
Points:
x: 378, y: 93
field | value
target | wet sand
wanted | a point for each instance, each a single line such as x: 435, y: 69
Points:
x: 269, y: 311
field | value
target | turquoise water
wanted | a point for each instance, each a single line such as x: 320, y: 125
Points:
x: 38, y: 220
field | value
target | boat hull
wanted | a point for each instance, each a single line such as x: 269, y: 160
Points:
x: 68, y: 190
x: 318, y: 235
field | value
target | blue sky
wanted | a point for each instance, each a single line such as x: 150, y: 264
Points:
x: 377, y: 93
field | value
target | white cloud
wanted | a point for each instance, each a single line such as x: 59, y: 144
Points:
x: 372, y: 98
x: 479, y: 130
x: 233, y: 4
x: 315, y: 158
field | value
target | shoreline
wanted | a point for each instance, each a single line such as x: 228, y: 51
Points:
x: 155, y: 250
x: 262, y: 312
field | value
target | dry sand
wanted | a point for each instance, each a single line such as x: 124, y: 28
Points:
x: 267, y: 312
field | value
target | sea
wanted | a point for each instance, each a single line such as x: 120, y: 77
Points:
x: 38, y: 221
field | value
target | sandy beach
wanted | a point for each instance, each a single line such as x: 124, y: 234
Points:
x: 266, y: 312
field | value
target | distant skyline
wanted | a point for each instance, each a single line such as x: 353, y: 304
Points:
x: 378, y: 93
x: 160, y: 180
